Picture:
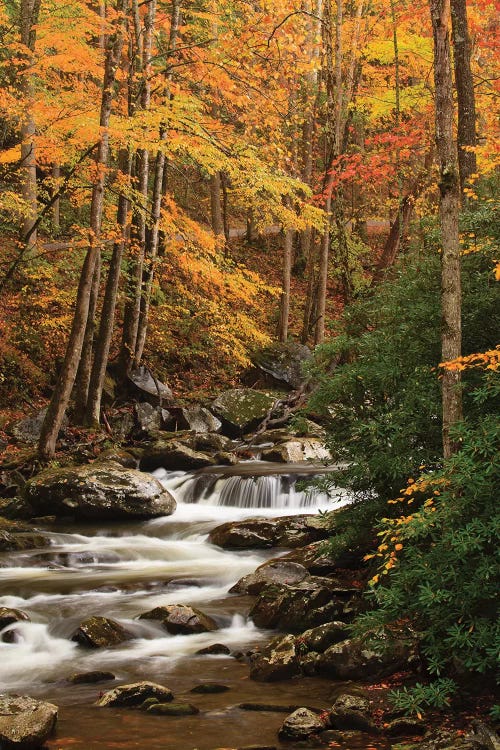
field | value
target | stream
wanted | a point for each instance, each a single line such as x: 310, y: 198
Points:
x: 123, y: 570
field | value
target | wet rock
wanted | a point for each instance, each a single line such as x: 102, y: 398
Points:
x: 441, y: 739
x: 287, y: 531
x: 354, y: 659
x: 352, y: 712
x: 298, y: 607
x: 10, y: 616
x: 173, y: 709
x: 215, y: 648
x: 122, y: 423
x: 18, y: 542
x: 313, y: 558
x: 195, y: 418
x: 90, y: 678
x: 241, y: 410
x: 209, y: 688
x: 135, y: 694
x: 405, y: 727
x: 100, y: 632
x: 142, y: 386
x: 147, y: 703
x: 25, y: 723
x: 179, y: 619
x: 320, y: 638
x: 275, y: 571
x: 301, y: 724
x: 99, y: 491
x: 297, y: 449
x: 284, y: 362
x: 346, y: 739
x: 173, y: 454
x: 279, y: 660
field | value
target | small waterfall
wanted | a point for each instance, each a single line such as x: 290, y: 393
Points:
x: 251, y: 484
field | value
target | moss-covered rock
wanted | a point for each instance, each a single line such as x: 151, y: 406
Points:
x: 104, y: 491
x: 241, y: 409
x: 179, y: 619
x: 25, y: 723
x: 100, y: 632
x: 134, y: 695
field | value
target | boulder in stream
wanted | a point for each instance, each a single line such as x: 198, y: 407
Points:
x: 25, y: 723
x: 301, y: 724
x: 104, y: 491
x: 173, y: 454
x: 179, y: 619
x: 287, y: 531
x: 100, y: 632
x: 173, y: 709
x: 297, y: 449
x: 272, y: 572
x: 241, y: 410
x: 284, y: 362
x: 134, y: 695
x: 90, y: 678
x: 9, y: 616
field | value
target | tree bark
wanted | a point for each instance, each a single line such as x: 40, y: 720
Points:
x: 60, y: 397
x: 103, y: 342
x: 216, y: 205
x: 30, y: 10
x: 464, y: 82
x: 449, y: 208
x: 285, y: 295
x: 81, y: 387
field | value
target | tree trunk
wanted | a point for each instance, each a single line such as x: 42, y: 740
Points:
x: 216, y: 205
x: 81, y: 387
x: 56, y: 212
x: 449, y: 208
x: 103, y: 341
x: 30, y: 10
x: 285, y: 295
x: 464, y: 82
x: 60, y: 397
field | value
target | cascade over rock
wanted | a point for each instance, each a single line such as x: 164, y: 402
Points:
x: 181, y: 619
x: 98, y: 491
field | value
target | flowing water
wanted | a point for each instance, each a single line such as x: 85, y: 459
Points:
x: 122, y: 570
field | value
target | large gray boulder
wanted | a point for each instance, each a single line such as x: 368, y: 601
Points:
x: 104, y: 491
x: 297, y: 449
x: 28, y: 430
x: 352, y: 712
x: 144, y: 387
x: 134, y: 694
x: 241, y: 410
x: 179, y: 619
x: 284, y: 362
x: 174, y: 454
x: 25, y: 723
x: 287, y: 531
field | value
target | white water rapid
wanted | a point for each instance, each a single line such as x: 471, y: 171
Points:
x: 122, y: 570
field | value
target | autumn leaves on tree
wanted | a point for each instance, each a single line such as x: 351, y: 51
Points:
x: 136, y: 135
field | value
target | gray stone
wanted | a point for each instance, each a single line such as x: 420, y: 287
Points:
x: 279, y: 660
x: 100, y: 632
x: 214, y: 649
x: 320, y: 638
x: 104, y: 491
x: 148, y: 417
x: 300, y: 725
x: 354, y: 659
x: 25, y: 723
x: 119, y: 456
x: 134, y: 694
x: 351, y: 712
x: 179, y: 619
x: 241, y: 410
x: 195, y: 418
x: 287, y: 531
x: 173, y: 454
x: 274, y: 571
x: 28, y: 430
x: 405, y: 727
x: 143, y: 386
x: 297, y: 449
x: 284, y: 362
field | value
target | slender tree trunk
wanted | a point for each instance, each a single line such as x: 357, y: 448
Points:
x: 30, y: 10
x: 449, y: 208
x: 285, y: 295
x: 464, y: 82
x: 216, y: 205
x: 60, y: 398
x: 103, y: 341
x: 56, y: 207
x: 81, y: 387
